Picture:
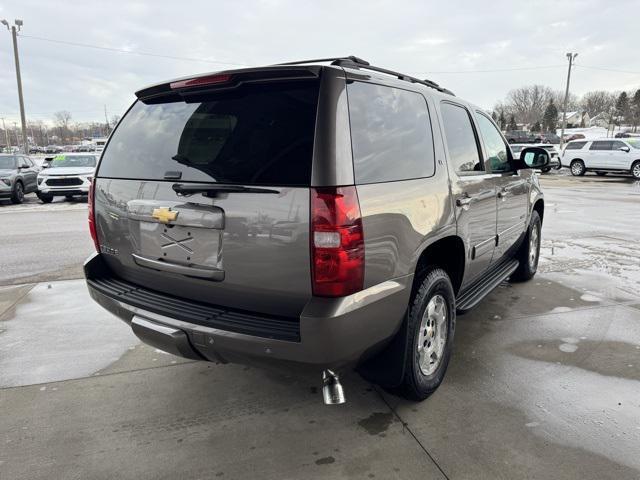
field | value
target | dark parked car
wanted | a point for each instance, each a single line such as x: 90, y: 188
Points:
x: 18, y: 176
x: 551, y: 138
x: 519, y: 136
x: 394, y: 205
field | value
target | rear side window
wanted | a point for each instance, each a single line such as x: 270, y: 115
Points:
x: 605, y: 145
x: 390, y: 134
x: 461, y: 139
x: 255, y: 135
x: 575, y: 145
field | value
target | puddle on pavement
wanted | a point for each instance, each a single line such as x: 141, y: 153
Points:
x: 377, y: 423
x: 610, y: 358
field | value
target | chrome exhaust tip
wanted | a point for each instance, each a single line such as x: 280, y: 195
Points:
x: 332, y: 391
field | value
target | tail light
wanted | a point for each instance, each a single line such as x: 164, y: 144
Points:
x: 92, y: 216
x: 200, y: 81
x: 337, y: 242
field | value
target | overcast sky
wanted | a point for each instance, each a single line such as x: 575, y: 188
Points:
x: 434, y: 39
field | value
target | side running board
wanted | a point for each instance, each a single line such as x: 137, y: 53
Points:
x: 475, y: 292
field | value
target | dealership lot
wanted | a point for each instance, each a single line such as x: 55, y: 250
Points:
x: 544, y: 380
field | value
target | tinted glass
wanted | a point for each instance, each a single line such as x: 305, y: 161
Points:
x: 8, y: 163
x: 461, y: 139
x: 390, y: 134
x: 74, y: 161
x: 575, y: 145
x: 600, y: 146
x: 497, y: 157
x: 634, y: 142
x: 260, y: 135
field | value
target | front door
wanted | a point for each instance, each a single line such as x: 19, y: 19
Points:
x: 512, y: 187
x: 599, y: 154
x: 620, y: 159
x: 472, y: 187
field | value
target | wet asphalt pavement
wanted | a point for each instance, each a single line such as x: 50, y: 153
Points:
x: 544, y: 381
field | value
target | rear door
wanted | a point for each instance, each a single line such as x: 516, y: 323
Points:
x: 599, y: 154
x: 205, y: 195
x: 511, y: 184
x: 473, y: 189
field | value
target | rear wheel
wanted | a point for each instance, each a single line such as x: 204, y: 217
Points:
x: 45, y: 198
x: 69, y: 197
x: 430, y: 324
x: 601, y: 174
x: 529, y: 251
x: 17, y: 196
x: 635, y: 170
x: 577, y: 168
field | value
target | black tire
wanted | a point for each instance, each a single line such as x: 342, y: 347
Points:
x: 17, y: 195
x: 528, y: 263
x: 601, y: 174
x: 68, y: 197
x: 635, y: 169
x: 559, y: 166
x: 45, y: 198
x: 577, y: 168
x: 435, y: 287
x: 545, y: 169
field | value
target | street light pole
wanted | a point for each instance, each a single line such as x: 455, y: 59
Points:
x: 571, y: 57
x: 14, y: 35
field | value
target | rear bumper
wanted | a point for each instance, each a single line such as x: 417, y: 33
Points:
x: 333, y: 333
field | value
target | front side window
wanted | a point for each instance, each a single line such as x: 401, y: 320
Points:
x: 390, y: 134
x: 497, y: 151
x: 617, y: 145
x: 602, y: 145
x: 461, y: 139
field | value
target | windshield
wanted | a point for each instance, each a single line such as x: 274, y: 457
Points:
x: 74, y: 161
x: 8, y: 163
x: 634, y: 142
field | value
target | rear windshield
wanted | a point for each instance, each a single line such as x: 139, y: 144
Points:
x: 258, y: 135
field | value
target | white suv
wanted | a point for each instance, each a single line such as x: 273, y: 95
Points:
x: 67, y: 175
x: 603, y: 156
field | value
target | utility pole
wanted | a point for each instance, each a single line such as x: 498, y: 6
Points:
x: 106, y: 119
x: 14, y: 35
x: 6, y: 135
x: 571, y: 57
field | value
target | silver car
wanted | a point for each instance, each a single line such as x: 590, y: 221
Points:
x: 18, y: 176
x: 320, y: 215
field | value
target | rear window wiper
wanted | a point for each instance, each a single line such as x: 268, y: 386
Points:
x: 212, y: 190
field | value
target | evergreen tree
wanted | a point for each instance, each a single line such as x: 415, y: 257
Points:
x: 494, y: 116
x: 502, y: 121
x: 635, y: 105
x: 512, y: 123
x: 622, y: 106
x: 550, y: 118
x: 536, y: 127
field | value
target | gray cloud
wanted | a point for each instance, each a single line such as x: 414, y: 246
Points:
x: 413, y: 36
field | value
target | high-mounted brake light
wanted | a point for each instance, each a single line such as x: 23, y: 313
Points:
x: 92, y: 215
x: 337, y: 242
x: 200, y: 81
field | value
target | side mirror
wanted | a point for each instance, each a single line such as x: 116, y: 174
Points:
x: 625, y: 149
x: 535, y: 157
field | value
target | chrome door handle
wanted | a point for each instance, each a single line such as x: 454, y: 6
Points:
x: 502, y: 194
x: 463, y: 201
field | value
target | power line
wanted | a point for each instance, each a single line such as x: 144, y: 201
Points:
x: 606, y: 69
x: 515, y: 69
x: 131, y: 52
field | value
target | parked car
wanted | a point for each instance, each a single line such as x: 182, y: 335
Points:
x: 554, y: 160
x: 52, y: 149
x: 550, y: 138
x: 519, y: 136
x: 573, y: 136
x: 603, y: 156
x: 393, y: 207
x: 18, y: 176
x: 67, y: 175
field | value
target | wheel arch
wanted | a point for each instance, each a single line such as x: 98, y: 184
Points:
x: 447, y: 253
x: 538, y: 206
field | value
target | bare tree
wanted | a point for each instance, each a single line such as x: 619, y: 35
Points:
x: 597, y: 101
x: 63, y: 120
x: 527, y: 104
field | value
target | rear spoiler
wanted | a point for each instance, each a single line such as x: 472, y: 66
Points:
x: 228, y: 79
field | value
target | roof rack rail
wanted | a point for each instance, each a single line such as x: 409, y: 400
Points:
x: 357, y: 62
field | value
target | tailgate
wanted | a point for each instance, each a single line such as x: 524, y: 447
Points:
x: 246, y: 247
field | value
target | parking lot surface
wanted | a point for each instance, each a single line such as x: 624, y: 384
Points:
x: 543, y: 383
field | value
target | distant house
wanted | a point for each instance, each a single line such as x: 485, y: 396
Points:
x: 575, y: 119
x: 600, y: 120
